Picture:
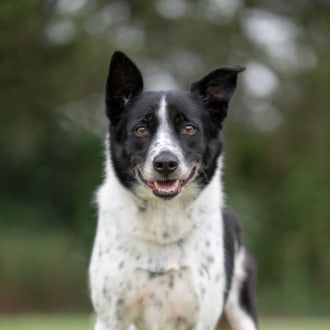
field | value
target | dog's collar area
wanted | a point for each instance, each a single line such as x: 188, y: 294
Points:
x: 167, y: 189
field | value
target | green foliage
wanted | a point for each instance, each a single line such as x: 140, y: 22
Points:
x: 53, y: 63
x: 42, y: 270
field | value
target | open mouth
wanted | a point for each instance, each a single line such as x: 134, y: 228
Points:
x: 167, y: 188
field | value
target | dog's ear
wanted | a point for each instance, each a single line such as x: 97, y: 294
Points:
x: 124, y: 82
x: 216, y: 90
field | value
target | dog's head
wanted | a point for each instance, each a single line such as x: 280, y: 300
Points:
x: 161, y: 142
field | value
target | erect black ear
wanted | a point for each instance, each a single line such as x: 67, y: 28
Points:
x: 216, y: 90
x: 124, y: 82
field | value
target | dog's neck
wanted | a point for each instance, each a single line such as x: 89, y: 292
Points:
x: 148, y: 218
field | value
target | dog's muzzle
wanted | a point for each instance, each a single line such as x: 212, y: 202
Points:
x: 166, y: 183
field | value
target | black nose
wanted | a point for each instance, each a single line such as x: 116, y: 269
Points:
x: 165, y: 163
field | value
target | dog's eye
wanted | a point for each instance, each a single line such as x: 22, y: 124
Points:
x: 189, y: 130
x: 141, y: 131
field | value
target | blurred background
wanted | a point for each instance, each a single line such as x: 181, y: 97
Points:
x: 54, y: 58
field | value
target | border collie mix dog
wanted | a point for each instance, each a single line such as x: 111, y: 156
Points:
x: 167, y: 253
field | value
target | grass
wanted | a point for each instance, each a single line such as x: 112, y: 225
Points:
x: 295, y: 324
x: 46, y: 323
x: 85, y: 323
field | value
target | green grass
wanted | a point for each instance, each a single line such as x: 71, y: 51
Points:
x: 85, y: 323
x: 295, y: 324
x: 46, y: 323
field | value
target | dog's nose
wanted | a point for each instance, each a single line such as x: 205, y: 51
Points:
x: 165, y: 163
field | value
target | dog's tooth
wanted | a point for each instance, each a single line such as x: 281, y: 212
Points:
x: 167, y: 187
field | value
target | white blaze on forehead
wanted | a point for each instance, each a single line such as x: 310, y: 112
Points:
x: 162, y: 111
x: 165, y: 139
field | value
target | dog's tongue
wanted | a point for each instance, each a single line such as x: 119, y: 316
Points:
x: 167, y: 186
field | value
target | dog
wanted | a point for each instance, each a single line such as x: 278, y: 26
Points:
x: 168, y: 253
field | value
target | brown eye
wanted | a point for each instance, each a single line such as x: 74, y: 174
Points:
x: 141, y: 131
x: 189, y: 130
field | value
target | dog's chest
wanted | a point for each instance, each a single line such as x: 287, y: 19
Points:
x: 168, y: 299
x: 172, y: 284
x: 163, y: 267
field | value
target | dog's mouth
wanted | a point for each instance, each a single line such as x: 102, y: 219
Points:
x: 165, y: 188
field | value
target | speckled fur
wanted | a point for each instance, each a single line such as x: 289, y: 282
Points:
x: 163, y: 264
x: 166, y: 264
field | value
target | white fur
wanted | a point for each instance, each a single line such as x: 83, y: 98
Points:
x: 165, y: 141
x: 167, y: 238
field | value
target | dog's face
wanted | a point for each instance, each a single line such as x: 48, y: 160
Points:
x: 162, y: 142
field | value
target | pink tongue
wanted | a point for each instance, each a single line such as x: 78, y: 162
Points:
x: 167, y: 185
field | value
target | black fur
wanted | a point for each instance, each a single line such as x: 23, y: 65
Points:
x: 232, y: 240
x: 247, y: 300
x: 127, y: 106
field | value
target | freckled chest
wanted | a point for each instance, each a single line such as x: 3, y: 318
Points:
x: 171, y: 296
x: 174, y: 286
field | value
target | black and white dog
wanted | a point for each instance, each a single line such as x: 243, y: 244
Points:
x: 167, y: 253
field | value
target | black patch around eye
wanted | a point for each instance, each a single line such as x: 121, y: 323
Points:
x: 179, y: 119
x: 150, y: 118
x: 149, y: 121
